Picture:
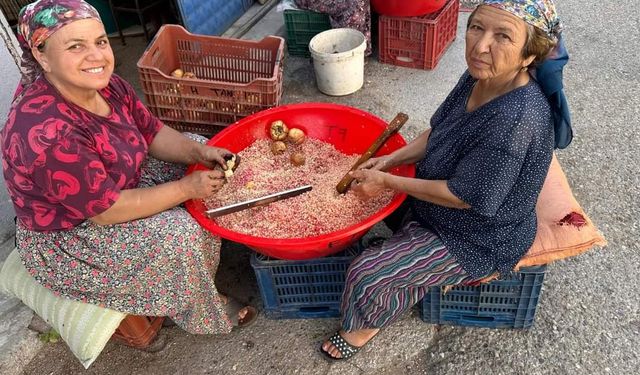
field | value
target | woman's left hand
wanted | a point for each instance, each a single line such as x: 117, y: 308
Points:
x: 367, y: 183
x: 210, y: 156
x: 380, y: 163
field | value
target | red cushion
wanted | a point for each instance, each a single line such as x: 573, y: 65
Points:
x: 564, y: 229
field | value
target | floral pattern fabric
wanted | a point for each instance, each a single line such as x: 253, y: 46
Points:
x: 63, y: 164
x: 352, y: 14
x: 163, y: 265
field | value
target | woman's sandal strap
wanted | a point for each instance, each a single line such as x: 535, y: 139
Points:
x: 346, y: 350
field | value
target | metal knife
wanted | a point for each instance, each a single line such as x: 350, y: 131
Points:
x: 256, y: 202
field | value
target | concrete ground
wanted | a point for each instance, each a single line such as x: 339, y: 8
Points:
x: 588, y: 319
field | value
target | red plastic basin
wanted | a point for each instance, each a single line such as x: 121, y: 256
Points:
x: 350, y: 130
x: 407, y: 8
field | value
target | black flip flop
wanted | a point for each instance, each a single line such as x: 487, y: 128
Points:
x: 346, y: 350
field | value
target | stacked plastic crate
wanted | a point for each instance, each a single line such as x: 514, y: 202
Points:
x: 228, y: 78
x: 418, y: 42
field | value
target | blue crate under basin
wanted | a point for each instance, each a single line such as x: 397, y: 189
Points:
x: 211, y: 17
x: 302, y: 289
x: 506, y: 303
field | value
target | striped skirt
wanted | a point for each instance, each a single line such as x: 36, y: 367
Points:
x: 386, y: 280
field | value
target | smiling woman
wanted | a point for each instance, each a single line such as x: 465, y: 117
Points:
x: 97, y: 181
x: 78, y: 61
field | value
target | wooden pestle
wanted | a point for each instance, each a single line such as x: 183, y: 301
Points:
x: 391, y: 129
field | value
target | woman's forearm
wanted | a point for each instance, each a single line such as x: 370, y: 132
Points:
x: 172, y: 146
x: 143, y: 202
x: 412, y: 152
x: 433, y: 191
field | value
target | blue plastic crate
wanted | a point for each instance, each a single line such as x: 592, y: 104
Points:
x: 506, y: 303
x: 302, y: 289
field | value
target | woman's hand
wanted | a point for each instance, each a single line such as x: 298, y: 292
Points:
x: 381, y: 163
x: 202, y: 184
x: 367, y: 183
x: 210, y: 156
x: 137, y: 203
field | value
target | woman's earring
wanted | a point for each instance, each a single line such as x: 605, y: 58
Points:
x: 524, y: 69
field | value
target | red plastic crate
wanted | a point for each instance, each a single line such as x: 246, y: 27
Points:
x: 234, y: 78
x: 404, y: 8
x: 138, y: 331
x: 418, y: 42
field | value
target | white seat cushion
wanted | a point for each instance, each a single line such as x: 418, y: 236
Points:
x: 85, y: 328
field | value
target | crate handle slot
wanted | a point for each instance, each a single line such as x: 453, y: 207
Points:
x: 475, y: 319
x: 154, y: 58
x: 315, y: 311
x: 315, y: 308
x: 278, y: 57
x: 405, y: 59
x: 155, y: 52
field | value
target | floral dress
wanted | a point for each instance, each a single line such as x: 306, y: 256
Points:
x: 64, y: 165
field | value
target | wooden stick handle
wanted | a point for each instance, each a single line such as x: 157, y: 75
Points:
x: 391, y: 129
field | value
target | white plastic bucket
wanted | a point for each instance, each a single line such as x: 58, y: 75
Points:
x: 338, y: 60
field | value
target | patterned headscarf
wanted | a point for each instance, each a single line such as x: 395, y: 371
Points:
x: 39, y: 20
x: 539, y: 13
x: 542, y: 14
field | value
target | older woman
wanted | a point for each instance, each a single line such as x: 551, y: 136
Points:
x: 97, y: 181
x: 480, y: 169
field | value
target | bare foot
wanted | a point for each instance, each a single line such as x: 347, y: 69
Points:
x: 356, y: 338
x: 242, y: 313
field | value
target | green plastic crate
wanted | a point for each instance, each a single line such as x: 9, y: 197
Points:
x: 301, y: 26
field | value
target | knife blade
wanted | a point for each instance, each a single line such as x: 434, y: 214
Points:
x: 257, y: 202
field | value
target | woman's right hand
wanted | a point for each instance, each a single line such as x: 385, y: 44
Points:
x: 203, y: 184
x: 367, y: 183
x: 380, y: 163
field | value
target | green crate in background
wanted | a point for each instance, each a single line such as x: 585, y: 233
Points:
x: 301, y: 26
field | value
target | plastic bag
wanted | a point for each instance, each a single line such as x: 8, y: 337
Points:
x: 286, y: 4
